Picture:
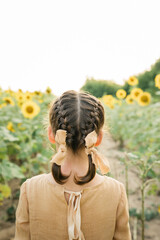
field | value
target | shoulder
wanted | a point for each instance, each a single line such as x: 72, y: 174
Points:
x: 35, y: 182
x: 114, y: 186
x: 113, y: 182
x: 37, y: 178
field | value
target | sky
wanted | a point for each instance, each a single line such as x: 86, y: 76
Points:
x: 62, y: 43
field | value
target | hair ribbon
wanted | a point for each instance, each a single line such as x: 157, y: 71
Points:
x: 60, y: 138
x: 98, y: 159
x: 90, y: 140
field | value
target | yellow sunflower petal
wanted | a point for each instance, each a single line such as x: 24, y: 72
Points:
x: 108, y: 99
x: 30, y: 109
x: 144, y: 99
x: 121, y: 93
x: 129, y: 99
x: 8, y: 100
x: 157, y: 80
x: 28, y: 96
x: 136, y: 92
x: 48, y: 90
x: 133, y: 81
x: 10, y: 127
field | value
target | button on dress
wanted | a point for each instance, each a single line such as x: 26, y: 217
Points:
x: 98, y: 212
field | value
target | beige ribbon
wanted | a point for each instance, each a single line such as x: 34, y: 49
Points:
x: 74, y: 216
x: 60, y: 138
x: 90, y: 141
x: 97, y: 158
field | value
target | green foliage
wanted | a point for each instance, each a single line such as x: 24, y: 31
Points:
x: 137, y: 128
x: 24, y: 148
x: 147, y: 80
x: 9, y: 170
x: 149, y: 213
x: 100, y: 88
x: 153, y: 189
x: 11, y: 213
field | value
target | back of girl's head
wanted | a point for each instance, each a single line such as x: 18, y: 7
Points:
x: 79, y: 113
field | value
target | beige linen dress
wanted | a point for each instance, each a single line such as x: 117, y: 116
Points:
x: 98, y: 212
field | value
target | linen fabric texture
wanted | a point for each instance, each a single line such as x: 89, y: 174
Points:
x: 43, y: 213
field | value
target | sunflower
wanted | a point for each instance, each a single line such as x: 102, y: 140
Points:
x: 20, y: 97
x: 108, y: 99
x: 8, y: 100
x: 10, y: 127
x: 28, y: 96
x: 48, y: 90
x: 144, y: 99
x: 136, y: 92
x: 38, y: 93
x: 30, y: 109
x: 157, y: 81
x: 129, y: 99
x: 20, y: 90
x: 121, y: 93
x: 20, y: 104
x: 133, y: 81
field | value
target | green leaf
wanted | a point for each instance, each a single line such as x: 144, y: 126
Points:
x: 7, y: 135
x: 10, y: 170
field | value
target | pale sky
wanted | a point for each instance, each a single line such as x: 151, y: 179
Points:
x: 61, y: 43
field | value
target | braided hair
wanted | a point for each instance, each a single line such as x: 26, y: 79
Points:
x: 79, y: 113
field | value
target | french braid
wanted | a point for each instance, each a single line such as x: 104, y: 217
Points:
x: 78, y: 114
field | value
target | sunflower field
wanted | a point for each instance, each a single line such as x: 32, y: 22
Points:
x: 134, y: 121
x: 23, y: 141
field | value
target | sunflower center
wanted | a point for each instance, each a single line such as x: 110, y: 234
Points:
x: 29, y: 109
x: 144, y: 99
x: 8, y: 101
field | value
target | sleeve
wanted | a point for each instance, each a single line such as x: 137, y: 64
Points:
x: 22, y: 231
x: 122, y: 228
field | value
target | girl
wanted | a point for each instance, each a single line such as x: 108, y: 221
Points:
x: 73, y: 201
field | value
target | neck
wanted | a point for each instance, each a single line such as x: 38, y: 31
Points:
x: 75, y: 163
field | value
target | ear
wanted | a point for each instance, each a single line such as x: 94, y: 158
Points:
x: 99, y: 138
x: 50, y: 135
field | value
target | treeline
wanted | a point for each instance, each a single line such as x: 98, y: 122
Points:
x: 100, y: 88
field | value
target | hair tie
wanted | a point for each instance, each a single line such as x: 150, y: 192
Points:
x: 60, y: 138
x: 98, y: 159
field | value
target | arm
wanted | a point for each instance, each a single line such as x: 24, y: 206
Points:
x: 22, y: 216
x: 122, y: 228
